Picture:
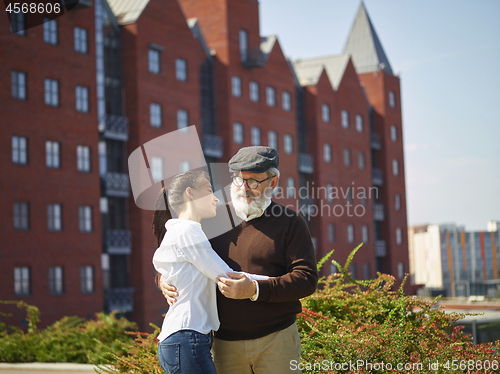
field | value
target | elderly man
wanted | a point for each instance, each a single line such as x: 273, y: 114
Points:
x: 258, y: 331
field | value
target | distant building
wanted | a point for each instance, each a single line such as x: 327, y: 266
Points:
x: 85, y: 90
x: 454, y: 262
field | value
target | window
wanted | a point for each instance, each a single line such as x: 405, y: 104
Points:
x: 54, y: 217
x: 255, y: 136
x: 82, y: 158
x: 157, y: 168
x: 394, y: 133
x: 325, y: 113
x: 50, y: 31
x: 17, y: 23
x: 182, y: 119
x: 344, y: 116
x: 347, y: 157
x: 82, y: 99
x: 56, y: 280
x: 51, y: 92
x: 366, y: 271
x: 21, y: 216
x: 22, y: 281
x: 399, y: 236
x: 272, y: 139
x: 19, y: 150
x: 52, y: 158
x: 155, y: 114
x: 243, y: 45
x: 85, y: 218
x: 270, y: 96
x: 154, y: 61
x: 238, y: 133
x: 183, y: 166
x: 327, y: 153
x: 397, y: 202
x: 103, y: 159
x: 329, y: 192
x: 288, y: 144
x: 395, y: 167
x: 254, y: 92
x: 236, y: 86
x: 181, y: 69
x: 331, y: 232
x: 401, y: 270
x: 392, y: 99
x: 87, y: 279
x: 290, y: 188
x: 287, y: 101
x: 350, y: 233
x: 52, y: 155
x: 80, y: 40
x: 359, y: 123
x: 364, y: 234
x: 352, y: 270
x: 361, y: 160
x: 18, y: 85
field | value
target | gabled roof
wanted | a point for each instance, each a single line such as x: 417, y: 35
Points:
x: 266, y: 45
x: 127, y: 11
x: 195, y: 29
x: 364, y: 45
x: 308, y: 71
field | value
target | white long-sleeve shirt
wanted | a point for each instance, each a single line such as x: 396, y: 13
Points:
x: 186, y: 259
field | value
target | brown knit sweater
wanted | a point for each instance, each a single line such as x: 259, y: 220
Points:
x: 277, y: 244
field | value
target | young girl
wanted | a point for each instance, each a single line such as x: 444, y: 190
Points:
x: 185, y: 258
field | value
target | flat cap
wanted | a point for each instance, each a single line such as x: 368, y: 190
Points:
x: 256, y: 159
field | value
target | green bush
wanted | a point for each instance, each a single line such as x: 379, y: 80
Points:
x: 67, y: 340
x: 358, y: 324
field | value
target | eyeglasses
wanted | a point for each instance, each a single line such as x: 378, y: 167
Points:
x: 251, y: 183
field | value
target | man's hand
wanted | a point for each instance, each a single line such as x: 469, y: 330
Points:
x: 168, y: 291
x: 237, y: 286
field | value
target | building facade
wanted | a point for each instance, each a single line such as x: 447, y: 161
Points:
x: 121, y: 74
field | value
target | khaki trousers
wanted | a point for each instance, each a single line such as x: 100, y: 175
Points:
x: 270, y: 354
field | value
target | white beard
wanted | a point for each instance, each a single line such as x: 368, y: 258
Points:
x: 255, y: 206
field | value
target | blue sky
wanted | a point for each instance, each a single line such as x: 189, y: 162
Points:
x: 447, y: 54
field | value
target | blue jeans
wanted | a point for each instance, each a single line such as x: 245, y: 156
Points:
x: 187, y: 352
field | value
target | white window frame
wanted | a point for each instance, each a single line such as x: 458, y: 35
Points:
x: 87, y: 279
x: 327, y: 153
x: 18, y: 22
x: 82, y: 99
x: 22, y: 281
x: 329, y: 192
x: 81, y: 40
x: 397, y: 201
x: 85, y: 218
x: 238, y: 133
x: 154, y: 61
x: 350, y: 233
x: 21, y: 216
x: 361, y: 160
x: 181, y: 69
x: 331, y: 232
x: 155, y: 119
x: 399, y: 236
x: 255, y: 132
x: 18, y: 85
x: 182, y: 119
x: 83, y: 158
x: 286, y: 99
x: 50, y: 31
x: 359, y: 123
x: 19, y: 150
x: 288, y: 144
x: 394, y: 133
x: 51, y: 92
x: 392, y: 99
x: 56, y: 280
x: 52, y: 154
x: 243, y: 39
x: 272, y: 139
x: 395, y: 167
x: 290, y: 188
x: 54, y: 217
x: 364, y: 233
x: 270, y: 96
x: 401, y: 270
x: 344, y: 118
x: 347, y: 157
x: 254, y: 91
x: 325, y: 113
x: 236, y: 86
x: 157, y: 168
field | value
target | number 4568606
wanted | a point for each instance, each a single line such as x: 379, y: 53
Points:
x: 33, y: 8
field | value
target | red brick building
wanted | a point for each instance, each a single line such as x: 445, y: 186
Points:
x: 152, y: 67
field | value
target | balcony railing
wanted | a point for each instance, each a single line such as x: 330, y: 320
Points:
x: 213, y: 145
x: 380, y: 249
x: 306, y: 163
x: 116, y: 184
x: 377, y: 179
x: 121, y: 299
x: 253, y: 58
x: 114, y: 127
x: 118, y: 242
x: 375, y: 141
x: 378, y: 212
